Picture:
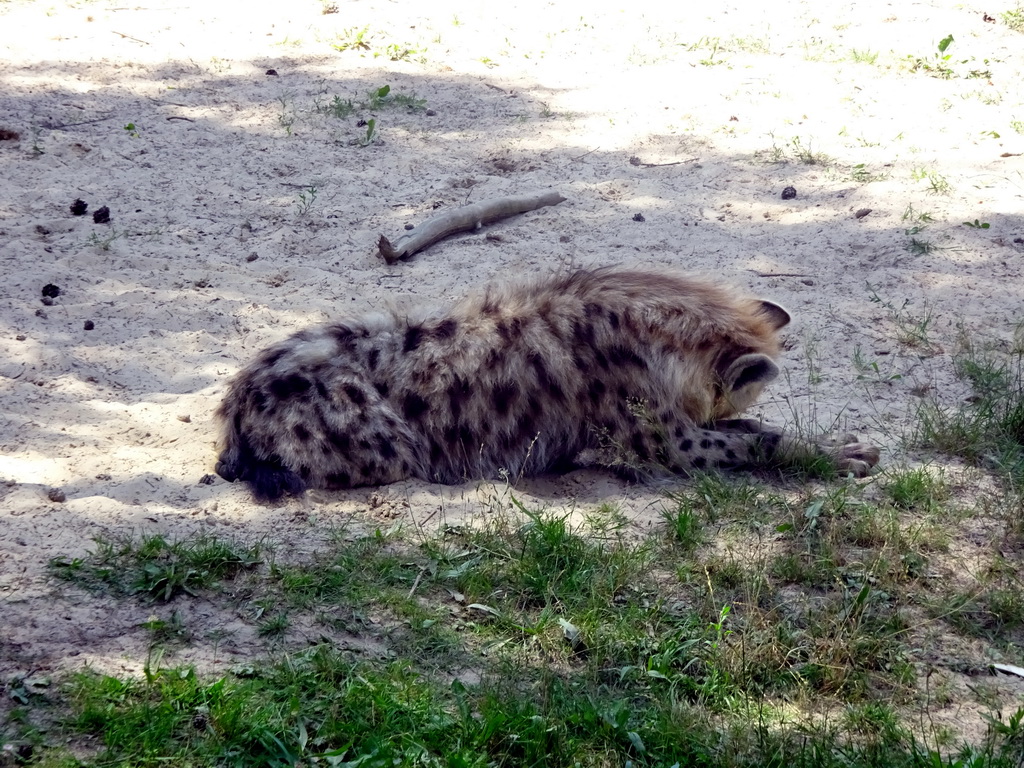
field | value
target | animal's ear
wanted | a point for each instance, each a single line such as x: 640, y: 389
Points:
x: 748, y: 371
x: 777, y: 316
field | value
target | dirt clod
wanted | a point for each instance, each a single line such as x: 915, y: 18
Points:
x: 79, y: 207
x: 101, y: 215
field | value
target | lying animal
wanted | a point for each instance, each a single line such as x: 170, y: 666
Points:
x: 641, y: 371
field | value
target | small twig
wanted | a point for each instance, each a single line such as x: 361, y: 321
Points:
x: 416, y: 583
x: 179, y: 117
x: 129, y: 37
x: 580, y: 157
x: 640, y: 164
x: 460, y: 220
x: 779, y: 274
x: 52, y: 127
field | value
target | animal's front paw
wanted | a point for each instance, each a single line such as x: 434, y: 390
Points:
x: 856, y: 459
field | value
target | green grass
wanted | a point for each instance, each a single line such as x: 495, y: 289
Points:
x: 155, y: 567
x: 551, y: 638
x: 988, y: 431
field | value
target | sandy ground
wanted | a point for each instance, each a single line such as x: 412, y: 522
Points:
x: 672, y: 134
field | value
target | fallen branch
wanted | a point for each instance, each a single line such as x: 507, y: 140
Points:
x: 468, y: 217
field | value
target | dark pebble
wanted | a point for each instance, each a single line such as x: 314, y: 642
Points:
x: 101, y: 215
x: 79, y: 207
x: 789, y: 193
x: 51, y: 290
x: 638, y: 217
x: 88, y: 325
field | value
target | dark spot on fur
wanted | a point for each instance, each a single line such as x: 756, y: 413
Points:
x: 699, y: 462
x: 705, y: 443
x: 545, y: 381
x: 458, y: 394
x: 305, y: 472
x: 639, y: 446
x: 581, y: 364
x: 364, y: 444
x: 730, y: 454
x: 272, y: 357
x: 368, y: 469
x: 259, y: 401
x: 372, y: 359
x: 446, y: 329
x: 686, y: 445
x: 343, y: 336
x: 339, y: 480
x: 583, y: 334
x: 382, y: 387
x: 413, y: 338
x: 301, y: 433
x: 613, y: 319
x: 341, y: 442
x: 592, y: 310
x: 503, y: 397
x: 493, y: 359
x: 596, y: 391
x: 322, y: 390
x: 355, y: 394
x: 602, y: 361
x: 622, y: 356
x: 679, y: 431
x: 414, y: 406
x: 290, y: 386
x: 719, y: 443
x: 622, y: 392
x: 436, y: 452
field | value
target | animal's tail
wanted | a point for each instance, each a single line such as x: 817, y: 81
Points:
x: 265, y: 474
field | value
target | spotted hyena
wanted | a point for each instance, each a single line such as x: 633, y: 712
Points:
x: 638, y: 370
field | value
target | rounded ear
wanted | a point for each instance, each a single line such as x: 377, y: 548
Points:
x: 777, y: 316
x: 747, y: 371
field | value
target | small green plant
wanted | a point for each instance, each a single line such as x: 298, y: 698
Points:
x: 911, y: 330
x: 977, y: 224
x: 917, y: 219
x: 1014, y: 19
x: 864, y: 57
x: 920, y: 488
x: 339, y: 107
x: 989, y: 429
x: 371, y: 133
x: 862, y: 174
x: 353, y: 40
x: 306, y: 199
x: 807, y: 155
x: 940, y: 63
x: 1018, y: 126
x: 132, y: 130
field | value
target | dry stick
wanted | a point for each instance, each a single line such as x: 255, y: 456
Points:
x: 461, y: 220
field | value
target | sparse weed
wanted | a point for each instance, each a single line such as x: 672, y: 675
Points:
x: 306, y: 199
x: 1014, y: 18
x: 920, y: 488
x: 988, y: 430
x: 911, y: 330
x: 807, y: 155
x: 156, y: 567
x: 864, y: 57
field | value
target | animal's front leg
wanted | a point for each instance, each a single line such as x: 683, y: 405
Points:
x: 774, y: 446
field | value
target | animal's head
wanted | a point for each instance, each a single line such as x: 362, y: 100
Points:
x: 744, y: 377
